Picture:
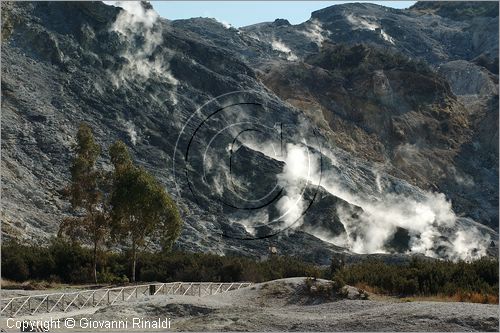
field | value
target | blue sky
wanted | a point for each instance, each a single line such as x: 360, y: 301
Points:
x: 241, y: 13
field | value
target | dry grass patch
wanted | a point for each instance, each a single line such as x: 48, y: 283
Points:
x: 30, y: 285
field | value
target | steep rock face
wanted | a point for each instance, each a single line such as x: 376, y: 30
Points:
x: 414, y: 122
x: 160, y: 86
x: 82, y: 70
x: 467, y: 78
x: 419, y: 123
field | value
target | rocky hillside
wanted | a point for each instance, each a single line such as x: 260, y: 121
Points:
x: 364, y: 129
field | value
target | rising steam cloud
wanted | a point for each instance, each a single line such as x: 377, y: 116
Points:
x: 432, y: 226
x: 145, y: 56
x: 279, y: 46
x: 315, y: 32
x: 298, y: 171
x: 132, y: 133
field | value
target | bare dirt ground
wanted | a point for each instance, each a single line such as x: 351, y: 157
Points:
x: 284, y: 305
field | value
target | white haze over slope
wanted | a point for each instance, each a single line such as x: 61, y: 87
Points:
x: 368, y: 23
x: 427, y: 219
x: 315, y: 32
x: 142, y: 62
x: 279, y: 46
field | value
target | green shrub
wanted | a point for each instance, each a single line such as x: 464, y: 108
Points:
x: 309, y: 282
x: 62, y: 261
x: 361, y: 59
x: 15, y: 268
x: 73, y: 263
x: 325, y: 290
x: 337, y: 283
x: 106, y: 276
x: 425, y: 277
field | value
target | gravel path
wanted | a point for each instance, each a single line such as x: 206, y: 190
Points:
x: 281, y: 305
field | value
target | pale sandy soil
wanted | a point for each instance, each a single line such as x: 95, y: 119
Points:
x: 283, y: 305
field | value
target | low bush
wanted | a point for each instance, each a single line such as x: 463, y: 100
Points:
x: 360, y: 59
x: 65, y: 262
x: 325, y: 290
x: 476, y: 281
x: 16, y: 268
x: 60, y: 261
x: 106, y: 276
x: 68, y: 262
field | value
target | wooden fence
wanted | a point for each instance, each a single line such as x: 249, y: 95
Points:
x: 64, y: 302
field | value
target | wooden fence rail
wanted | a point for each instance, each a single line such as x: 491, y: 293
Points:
x: 76, y: 300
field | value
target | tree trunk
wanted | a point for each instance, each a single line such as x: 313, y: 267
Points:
x: 134, y: 259
x: 94, y: 262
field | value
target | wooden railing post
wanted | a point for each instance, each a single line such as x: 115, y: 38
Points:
x: 23, y: 303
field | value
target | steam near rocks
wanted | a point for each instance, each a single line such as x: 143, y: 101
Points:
x: 225, y: 24
x: 369, y: 23
x: 279, y: 46
x: 145, y: 55
x: 122, y: 70
x: 315, y: 32
x: 431, y: 225
x: 298, y: 171
x: 130, y: 129
x: 429, y: 220
x: 131, y: 132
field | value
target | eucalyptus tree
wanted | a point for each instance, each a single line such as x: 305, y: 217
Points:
x: 141, y: 209
x: 90, y: 223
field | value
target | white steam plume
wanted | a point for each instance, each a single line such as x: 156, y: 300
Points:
x: 279, y: 46
x: 225, y: 24
x: 250, y: 223
x: 134, y: 21
x: 299, y: 167
x: 130, y: 129
x: 427, y: 218
x: 462, y: 244
x: 315, y: 32
x: 131, y: 132
x: 433, y: 228
x: 368, y: 23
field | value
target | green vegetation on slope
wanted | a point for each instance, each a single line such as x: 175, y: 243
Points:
x: 458, y: 10
x: 68, y: 262
x: 360, y: 59
x: 63, y: 261
x: 474, y: 281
